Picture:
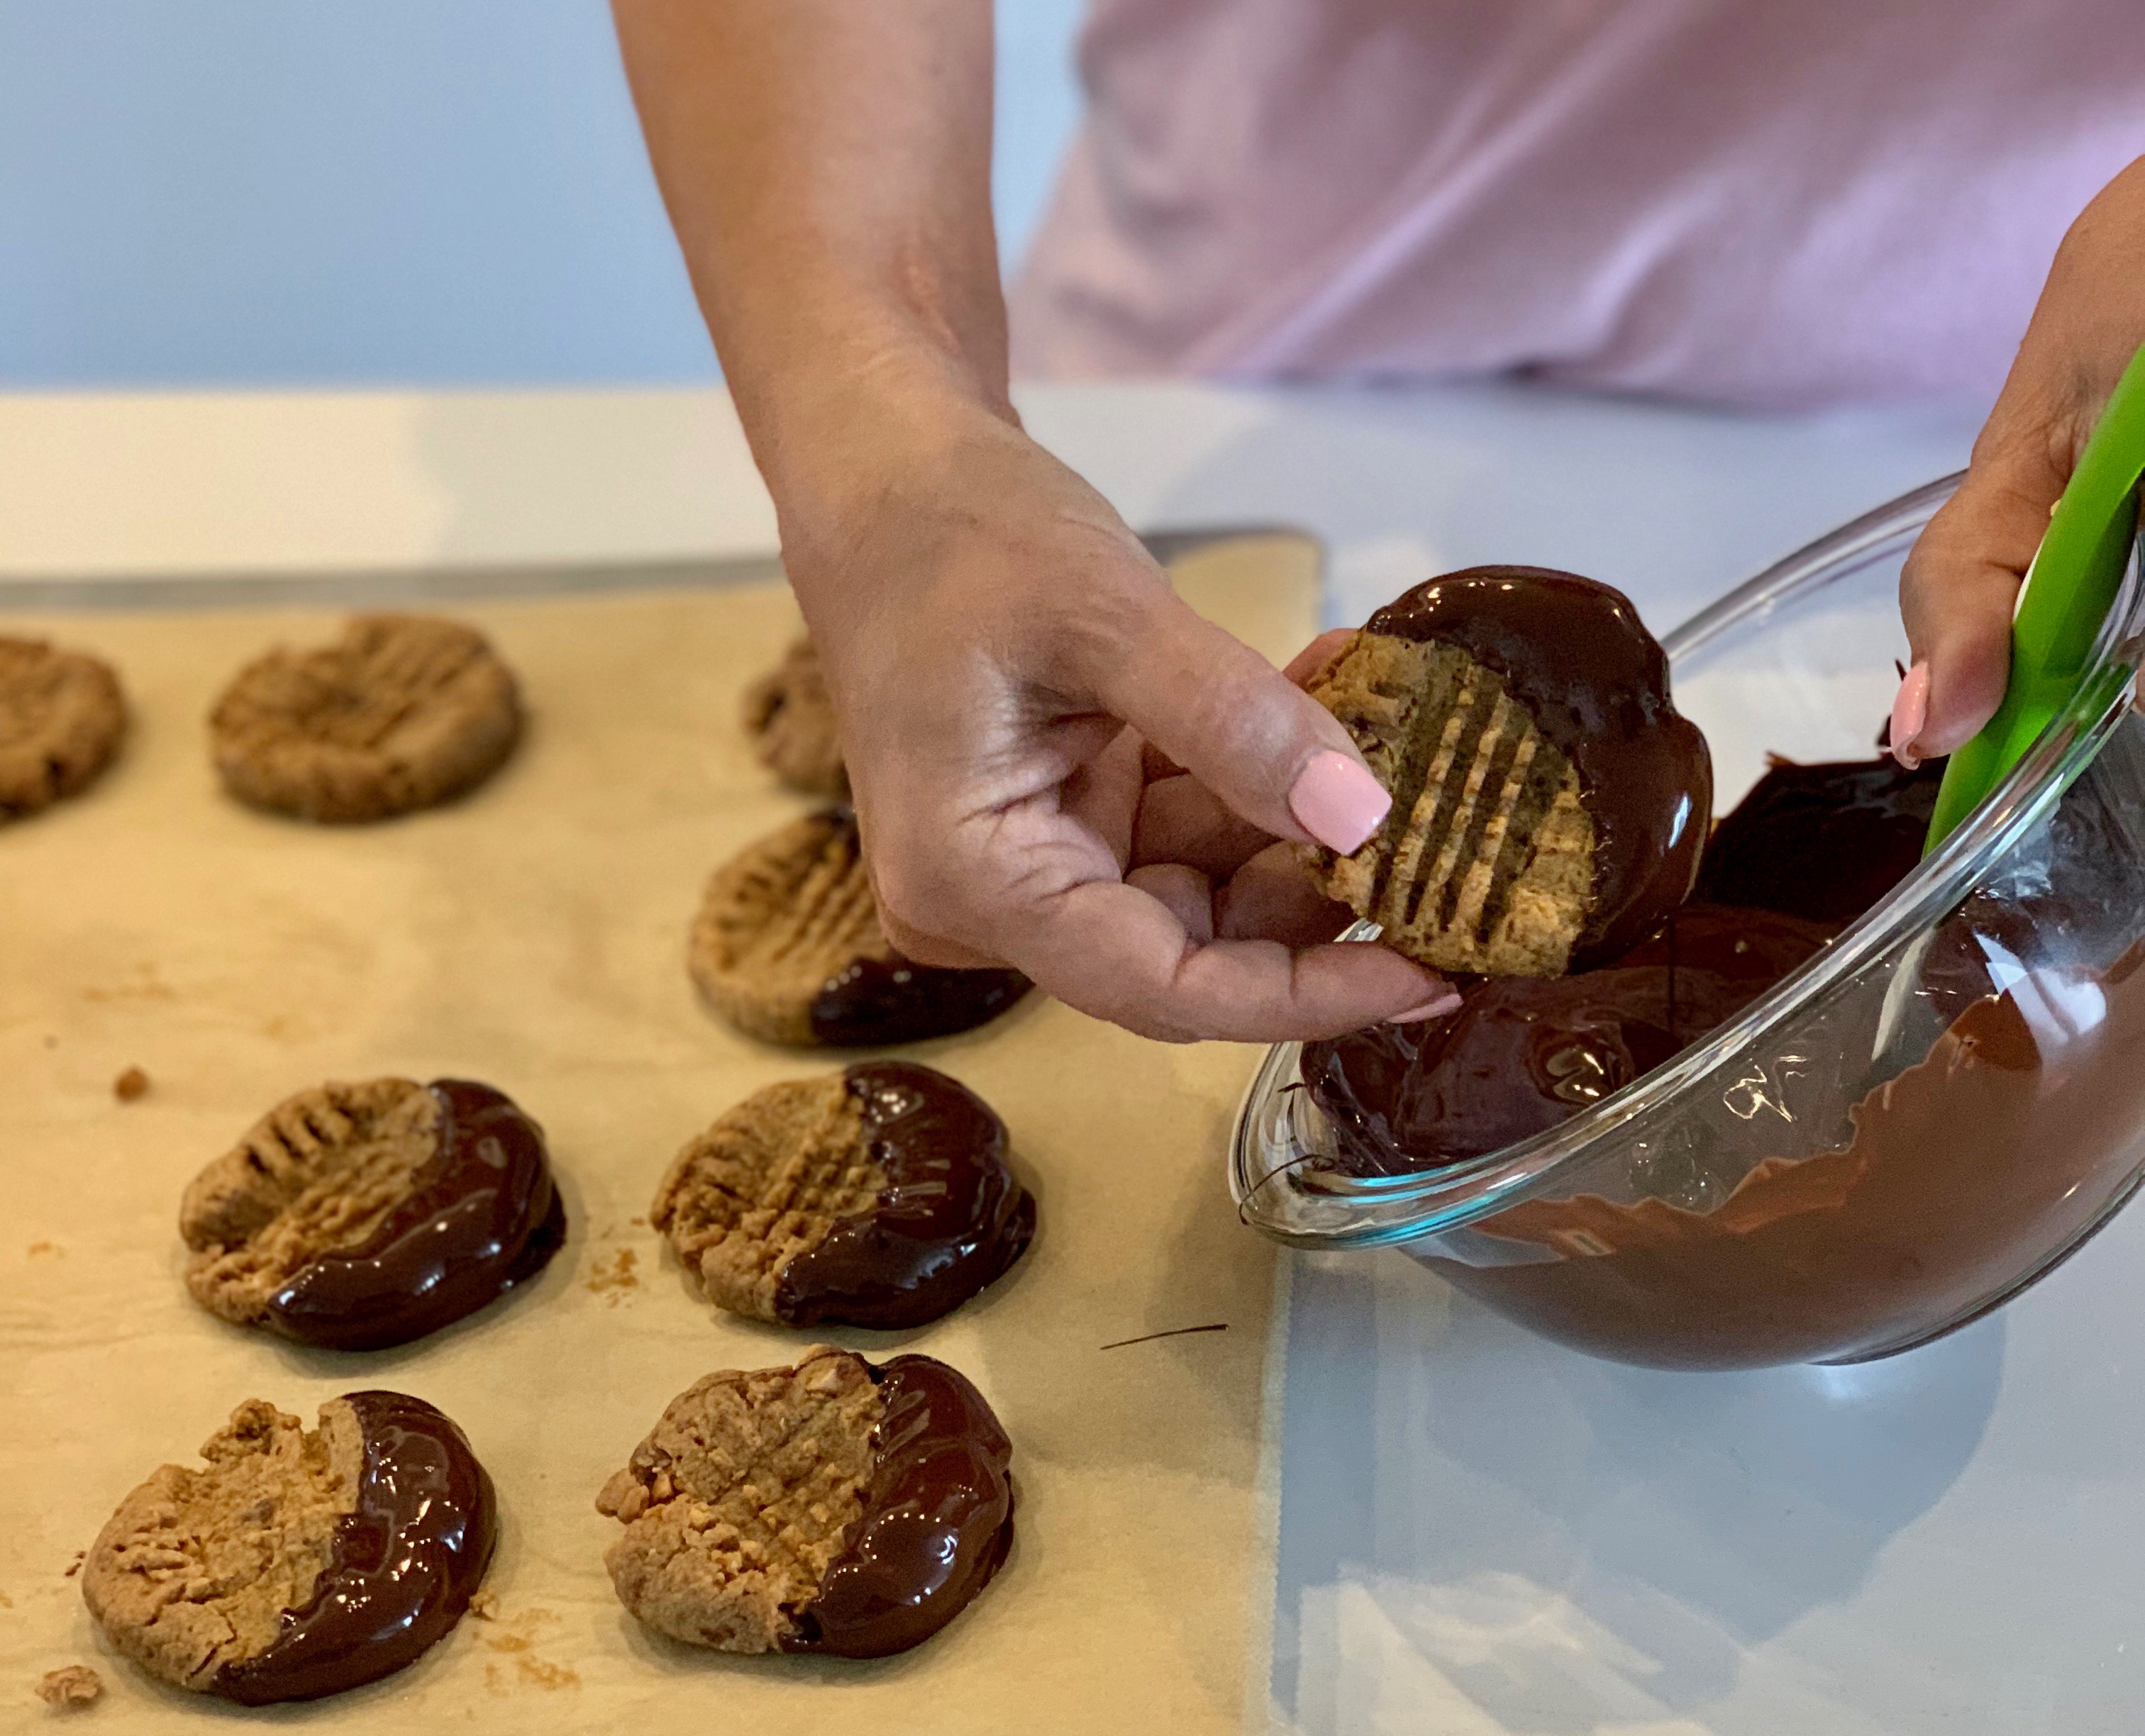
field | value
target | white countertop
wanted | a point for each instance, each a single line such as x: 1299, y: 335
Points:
x: 1482, y: 1534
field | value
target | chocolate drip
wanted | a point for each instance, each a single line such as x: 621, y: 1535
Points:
x: 482, y: 1214
x: 1823, y: 841
x: 949, y: 1221
x: 1573, y: 652
x: 402, y: 1566
x: 937, y: 1523
x: 876, y: 1003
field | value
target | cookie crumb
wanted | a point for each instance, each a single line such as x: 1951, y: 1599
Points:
x: 72, y: 1688
x: 131, y: 1085
x: 74, y: 1566
x: 484, y: 1605
x: 611, y: 1278
x: 553, y: 1676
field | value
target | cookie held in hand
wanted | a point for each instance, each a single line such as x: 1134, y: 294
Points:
x: 402, y: 712
x: 356, y: 1216
x: 1549, y: 803
x: 789, y: 719
x: 61, y: 719
x: 830, y: 1507
x: 788, y: 947
x: 299, y: 1563
x: 876, y: 1196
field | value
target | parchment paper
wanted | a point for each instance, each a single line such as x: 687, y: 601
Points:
x: 533, y: 936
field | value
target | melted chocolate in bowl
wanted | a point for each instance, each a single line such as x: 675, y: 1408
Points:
x: 483, y: 1214
x: 1822, y: 841
x: 937, y: 1523
x: 950, y: 1221
x: 1965, y: 1174
x: 1574, y: 652
x: 403, y: 1565
x: 1523, y: 1054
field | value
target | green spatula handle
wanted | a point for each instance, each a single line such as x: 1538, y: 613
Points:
x: 2069, y: 591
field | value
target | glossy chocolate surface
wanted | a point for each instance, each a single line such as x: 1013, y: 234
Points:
x: 937, y: 1523
x: 482, y: 1214
x: 1806, y: 851
x: 1575, y: 653
x: 876, y: 1003
x: 1823, y: 841
x: 950, y: 1221
x: 403, y: 1565
x: 1524, y: 1054
x: 1967, y: 1176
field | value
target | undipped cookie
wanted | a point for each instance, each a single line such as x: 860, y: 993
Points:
x: 301, y: 1562
x: 788, y: 947
x: 830, y: 1507
x: 61, y: 720
x: 403, y: 712
x: 1549, y: 803
x: 356, y: 1216
x: 876, y: 1196
x: 789, y: 719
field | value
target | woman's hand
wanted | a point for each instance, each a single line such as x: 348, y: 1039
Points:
x: 1961, y: 583
x: 1057, y: 764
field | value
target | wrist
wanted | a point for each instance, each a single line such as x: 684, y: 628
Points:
x: 840, y: 439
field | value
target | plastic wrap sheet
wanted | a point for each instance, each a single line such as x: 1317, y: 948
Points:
x: 533, y: 936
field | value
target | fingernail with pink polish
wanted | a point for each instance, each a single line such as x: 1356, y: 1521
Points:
x: 1449, y: 1002
x: 1910, y: 711
x: 1337, y: 801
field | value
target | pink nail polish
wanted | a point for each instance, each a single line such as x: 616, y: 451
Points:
x: 1449, y: 1002
x: 1910, y: 711
x: 1337, y: 801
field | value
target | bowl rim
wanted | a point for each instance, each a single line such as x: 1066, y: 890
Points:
x: 1388, y: 1209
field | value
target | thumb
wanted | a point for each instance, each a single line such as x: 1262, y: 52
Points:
x: 1961, y: 584
x: 1269, y: 752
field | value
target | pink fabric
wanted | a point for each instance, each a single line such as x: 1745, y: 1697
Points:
x: 1756, y: 201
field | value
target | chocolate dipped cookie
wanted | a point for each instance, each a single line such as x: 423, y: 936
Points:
x: 402, y: 712
x: 876, y: 1196
x: 299, y: 1563
x: 1549, y: 803
x: 356, y: 1216
x: 61, y: 719
x: 790, y: 720
x: 831, y: 1507
x: 788, y: 947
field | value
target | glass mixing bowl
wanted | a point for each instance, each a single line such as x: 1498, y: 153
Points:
x: 1902, y: 1134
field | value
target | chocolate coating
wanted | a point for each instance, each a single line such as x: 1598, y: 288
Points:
x: 937, y: 1523
x: 403, y: 1565
x: 1574, y: 653
x: 483, y: 1214
x: 951, y: 1219
x: 1524, y: 1054
x: 876, y: 1003
x: 1822, y: 841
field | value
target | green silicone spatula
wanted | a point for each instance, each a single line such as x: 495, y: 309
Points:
x: 2068, y: 590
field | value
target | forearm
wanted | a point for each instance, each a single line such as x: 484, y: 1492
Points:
x: 826, y: 164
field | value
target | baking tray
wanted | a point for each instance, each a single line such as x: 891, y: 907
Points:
x: 532, y: 936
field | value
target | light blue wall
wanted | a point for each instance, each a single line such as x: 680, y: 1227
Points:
x: 254, y: 192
